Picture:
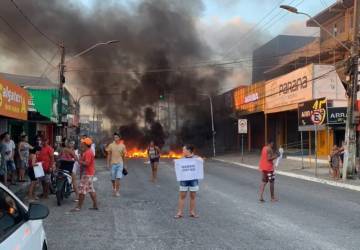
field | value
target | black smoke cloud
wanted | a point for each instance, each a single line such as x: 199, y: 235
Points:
x: 153, y: 34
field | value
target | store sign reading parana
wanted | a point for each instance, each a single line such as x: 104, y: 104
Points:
x: 13, y: 100
x: 285, y: 92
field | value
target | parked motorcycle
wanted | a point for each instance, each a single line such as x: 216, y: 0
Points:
x: 63, y: 185
x: 62, y: 180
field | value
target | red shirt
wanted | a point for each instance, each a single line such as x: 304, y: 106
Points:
x: 46, y: 157
x: 265, y: 164
x: 89, y: 159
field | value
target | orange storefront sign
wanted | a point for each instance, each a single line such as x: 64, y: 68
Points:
x: 13, y: 100
x: 250, y: 99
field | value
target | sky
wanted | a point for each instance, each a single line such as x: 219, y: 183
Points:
x: 234, y: 28
x: 264, y: 13
x: 253, y: 11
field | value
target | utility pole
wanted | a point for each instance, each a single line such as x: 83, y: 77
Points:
x: 350, y: 133
x: 61, y: 87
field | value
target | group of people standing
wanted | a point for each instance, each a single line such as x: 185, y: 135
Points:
x: 116, y: 153
x: 27, y: 156
x: 10, y: 168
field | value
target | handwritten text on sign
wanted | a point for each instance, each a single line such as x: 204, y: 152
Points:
x: 189, y: 169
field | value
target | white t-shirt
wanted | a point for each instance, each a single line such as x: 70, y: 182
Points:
x: 8, y: 148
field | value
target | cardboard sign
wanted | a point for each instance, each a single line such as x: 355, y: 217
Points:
x: 189, y: 169
x: 38, y: 170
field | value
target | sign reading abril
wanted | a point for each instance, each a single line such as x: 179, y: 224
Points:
x: 189, y: 169
x: 13, y: 100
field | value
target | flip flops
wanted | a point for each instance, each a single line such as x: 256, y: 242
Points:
x: 195, y: 216
x: 178, y: 216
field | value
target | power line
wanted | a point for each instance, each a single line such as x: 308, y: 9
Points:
x: 269, y: 23
x: 32, y: 24
x: 253, y: 28
x: 24, y: 40
x: 48, y: 66
x: 324, y: 4
x: 190, y: 67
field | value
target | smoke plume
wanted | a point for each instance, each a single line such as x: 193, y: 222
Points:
x: 157, y: 38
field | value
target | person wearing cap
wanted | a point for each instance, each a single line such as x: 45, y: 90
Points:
x: 115, y: 159
x: 93, y: 146
x: 87, y: 172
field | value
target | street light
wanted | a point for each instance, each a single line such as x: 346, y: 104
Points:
x: 62, y: 72
x: 350, y: 130
x: 212, y: 122
x: 91, y: 48
x: 295, y: 11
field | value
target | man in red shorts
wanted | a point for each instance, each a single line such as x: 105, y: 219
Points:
x: 266, y: 167
x: 87, y: 172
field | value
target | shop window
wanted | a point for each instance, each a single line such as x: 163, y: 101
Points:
x: 335, y: 30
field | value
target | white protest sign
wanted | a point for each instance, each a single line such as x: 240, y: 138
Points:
x: 189, y: 169
x: 38, y: 170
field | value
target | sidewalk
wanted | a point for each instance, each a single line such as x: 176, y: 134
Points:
x: 20, y: 188
x: 293, y: 168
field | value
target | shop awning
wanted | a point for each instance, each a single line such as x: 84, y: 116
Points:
x: 34, y: 116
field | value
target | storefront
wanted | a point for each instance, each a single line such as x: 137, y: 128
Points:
x: 13, y: 109
x: 249, y: 104
x: 45, y: 103
x: 285, y: 93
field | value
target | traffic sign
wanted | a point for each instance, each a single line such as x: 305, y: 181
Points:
x: 242, y: 126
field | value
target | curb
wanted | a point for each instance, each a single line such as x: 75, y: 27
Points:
x: 307, y: 160
x: 299, y: 176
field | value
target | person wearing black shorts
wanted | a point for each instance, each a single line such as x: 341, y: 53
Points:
x: 154, y: 157
x: 32, y: 162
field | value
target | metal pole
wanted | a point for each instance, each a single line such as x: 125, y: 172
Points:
x: 302, y: 151
x: 242, y: 147
x: 61, y: 87
x: 310, y: 148
x: 93, y: 127
x: 316, y: 149
x: 350, y: 132
x: 212, y: 125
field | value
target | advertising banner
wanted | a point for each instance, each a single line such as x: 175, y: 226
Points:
x: 336, y: 115
x: 250, y: 99
x: 312, y: 112
x: 14, y: 100
x: 189, y: 169
x: 285, y: 92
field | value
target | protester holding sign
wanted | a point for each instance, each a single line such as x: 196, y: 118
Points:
x: 32, y: 162
x: 188, y: 171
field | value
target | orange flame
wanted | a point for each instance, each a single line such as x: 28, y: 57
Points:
x: 139, y: 153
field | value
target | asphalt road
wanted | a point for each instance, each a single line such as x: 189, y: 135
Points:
x: 308, y: 215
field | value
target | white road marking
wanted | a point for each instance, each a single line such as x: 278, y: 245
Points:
x: 299, y: 176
